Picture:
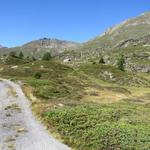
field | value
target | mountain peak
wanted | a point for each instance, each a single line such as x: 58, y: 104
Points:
x: 40, y: 46
x: 133, y: 28
x: 1, y: 46
x: 51, y: 43
x: 147, y: 13
x: 143, y: 19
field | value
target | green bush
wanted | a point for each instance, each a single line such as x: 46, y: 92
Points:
x: 33, y: 58
x: 13, y: 54
x: 37, y: 75
x: 103, y: 127
x: 47, y: 56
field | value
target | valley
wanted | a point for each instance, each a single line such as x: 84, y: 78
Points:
x: 90, y: 96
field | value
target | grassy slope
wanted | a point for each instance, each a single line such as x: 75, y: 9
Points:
x: 78, y: 104
x: 111, y: 74
x: 103, y: 127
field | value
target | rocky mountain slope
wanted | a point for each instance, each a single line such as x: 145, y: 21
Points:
x: 130, y: 38
x: 130, y: 29
x: 38, y: 47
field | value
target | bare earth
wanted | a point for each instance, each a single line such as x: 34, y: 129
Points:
x: 19, y: 130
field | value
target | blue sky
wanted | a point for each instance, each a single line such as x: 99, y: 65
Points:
x: 77, y: 20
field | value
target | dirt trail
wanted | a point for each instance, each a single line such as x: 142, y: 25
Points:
x: 19, y: 130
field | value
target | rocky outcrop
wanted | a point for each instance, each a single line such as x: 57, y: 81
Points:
x: 50, y: 43
x: 142, y: 41
x: 38, y: 47
x: 144, y: 68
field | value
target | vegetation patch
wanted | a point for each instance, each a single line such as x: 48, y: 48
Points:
x: 113, y: 75
x: 92, y: 107
x: 103, y: 127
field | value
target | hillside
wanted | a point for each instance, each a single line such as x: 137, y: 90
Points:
x: 58, y: 94
x: 126, y: 30
x: 122, y: 39
x: 130, y: 38
x: 86, y: 103
x: 39, y: 47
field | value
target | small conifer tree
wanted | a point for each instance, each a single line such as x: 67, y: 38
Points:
x: 121, y: 63
x: 21, y: 55
x: 101, y: 61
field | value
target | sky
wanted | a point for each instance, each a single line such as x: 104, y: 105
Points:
x: 22, y: 21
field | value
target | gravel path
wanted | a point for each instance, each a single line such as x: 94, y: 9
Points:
x: 19, y: 130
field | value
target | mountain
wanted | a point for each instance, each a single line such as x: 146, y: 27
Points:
x: 127, y: 30
x: 46, y: 43
x: 130, y: 38
x: 1, y: 46
x: 38, y: 47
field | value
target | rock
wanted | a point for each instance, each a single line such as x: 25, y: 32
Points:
x: 20, y: 130
x: 66, y: 60
x: 107, y: 75
x: 61, y: 105
x: 10, y: 139
x: 8, y: 115
x: 144, y: 68
x: 11, y: 146
x: 42, y: 66
x: 13, y: 107
x: 14, y: 67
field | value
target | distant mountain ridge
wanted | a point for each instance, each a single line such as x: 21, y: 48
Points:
x: 1, y: 46
x: 48, y: 43
x: 131, y: 38
x: 38, y: 47
x: 134, y: 28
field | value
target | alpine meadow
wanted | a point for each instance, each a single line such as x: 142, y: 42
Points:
x: 63, y: 94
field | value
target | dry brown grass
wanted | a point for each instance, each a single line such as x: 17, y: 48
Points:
x: 103, y: 95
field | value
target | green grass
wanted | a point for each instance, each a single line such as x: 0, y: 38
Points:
x: 48, y: 69
x: 55, y: 86
x: 15, y: 61
x: 60, y: 94
x: 55, y: 90
x: 113, y: 75
x: 103, y: 127
x: 57, y: 81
